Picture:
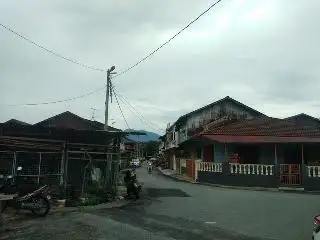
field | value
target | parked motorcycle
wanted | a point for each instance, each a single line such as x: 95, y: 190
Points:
x: 136, y: 189
x: 133, y: 187
x: 38, y: 201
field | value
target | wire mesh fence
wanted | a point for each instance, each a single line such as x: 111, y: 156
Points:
x: 88, y: 173
x: 92, y: 174
x: 6, y: 162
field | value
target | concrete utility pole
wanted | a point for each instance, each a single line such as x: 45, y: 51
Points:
x: 108, y: 92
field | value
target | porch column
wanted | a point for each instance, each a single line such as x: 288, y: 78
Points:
x: 275, y: 154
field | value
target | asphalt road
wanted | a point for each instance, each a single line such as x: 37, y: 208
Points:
x: 177, y: 210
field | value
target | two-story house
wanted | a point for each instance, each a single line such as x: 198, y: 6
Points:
x: 194, y: 122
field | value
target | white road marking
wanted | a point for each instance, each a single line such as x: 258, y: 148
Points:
x: 210, y: 222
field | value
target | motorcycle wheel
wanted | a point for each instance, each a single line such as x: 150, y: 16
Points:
x: 45, y: 205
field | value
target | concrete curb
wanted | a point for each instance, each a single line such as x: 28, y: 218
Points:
x: 178, y: 179
x: 298, y: 191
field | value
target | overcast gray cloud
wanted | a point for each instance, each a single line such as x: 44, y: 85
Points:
x: 263, y: 53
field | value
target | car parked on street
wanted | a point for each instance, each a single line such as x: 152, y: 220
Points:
x: 135, y: 162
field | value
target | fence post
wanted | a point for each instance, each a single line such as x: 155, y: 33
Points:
x: 14, y: 162
x: 39, y: 169
x: 65, y: 152
x: 62, y: 167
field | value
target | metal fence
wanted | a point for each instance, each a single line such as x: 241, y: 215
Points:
x: 87, y: 172
x: 38, y: 168
x: 92, y: 173
x: 7, y: 162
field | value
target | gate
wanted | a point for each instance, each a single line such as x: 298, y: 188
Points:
x: 290, y: 174
x: 191, y: 169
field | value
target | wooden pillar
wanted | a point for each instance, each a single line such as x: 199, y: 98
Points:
x: 62, y: 166
x: 66, y: 165
x: 275, y: 154
x: 302, y: 155
x: 225, y: 152
x: 39, y: 169
x: 14, y: 164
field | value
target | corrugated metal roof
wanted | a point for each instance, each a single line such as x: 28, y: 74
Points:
x: 262, y: 127
x: 227, y: 98
x: 260, y: 139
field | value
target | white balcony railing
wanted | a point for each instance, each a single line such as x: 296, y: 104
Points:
x: 171, y: 144
x: 252, y: 169
x: 313, y: 171
x: 209, y: 167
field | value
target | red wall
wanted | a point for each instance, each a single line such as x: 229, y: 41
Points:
x: 191, y: 167
x: 208, y: 153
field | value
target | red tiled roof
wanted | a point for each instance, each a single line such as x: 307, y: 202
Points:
x: 262, y: 127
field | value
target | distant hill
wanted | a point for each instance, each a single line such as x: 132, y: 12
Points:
x: 150, y: 136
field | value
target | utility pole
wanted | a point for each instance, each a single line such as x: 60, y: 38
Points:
x: 108, y: 93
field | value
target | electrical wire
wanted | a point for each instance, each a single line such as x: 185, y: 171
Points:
x: 95, y: 68
x: 58, y: 101
x: 51, y: 51
x: 142, y: 118
x: 124, y: 118
x: 136, y: 112
x: 169, y: 40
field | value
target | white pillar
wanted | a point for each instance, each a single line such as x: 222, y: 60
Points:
x: 174, y: 162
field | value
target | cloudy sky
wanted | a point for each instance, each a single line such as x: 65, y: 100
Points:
x: 263, y: 53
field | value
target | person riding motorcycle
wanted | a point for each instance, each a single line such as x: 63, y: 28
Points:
x: 150, y: 165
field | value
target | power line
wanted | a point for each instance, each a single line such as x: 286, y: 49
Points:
x: 51, y: 51
x: 142, y: 118
x: 95, y: 68
x: 100, y: 69
x: 58, y: 101
x: 124, y: 118
x: 137, y: 113
x: 169, y: 40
